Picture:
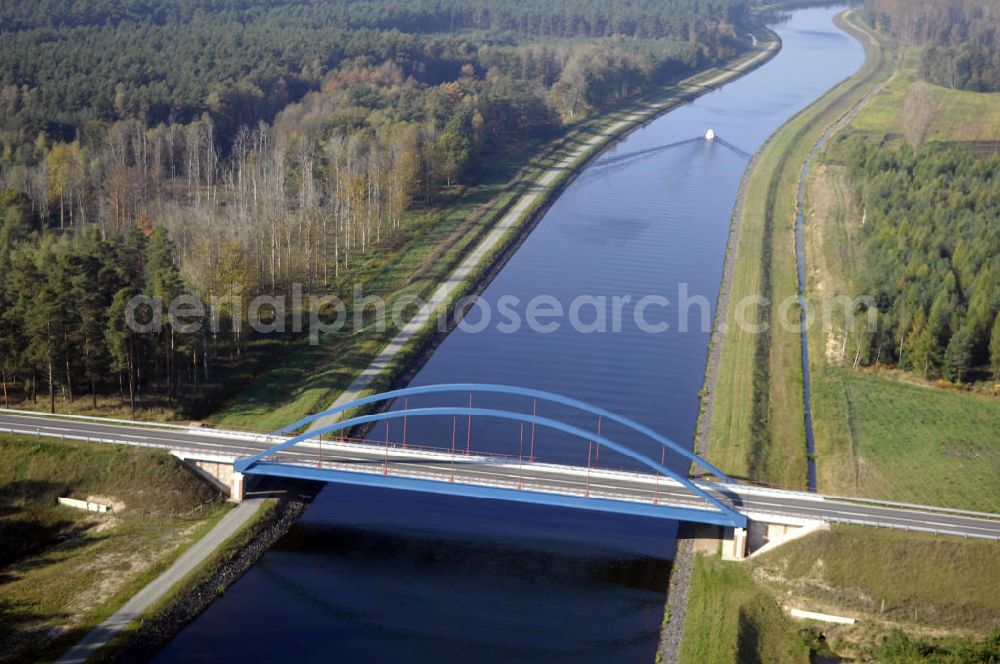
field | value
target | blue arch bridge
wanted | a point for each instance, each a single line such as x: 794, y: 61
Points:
x: 323, y: 453
x: 463, y: 472
x: 748, y: 518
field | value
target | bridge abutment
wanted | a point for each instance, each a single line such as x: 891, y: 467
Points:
x: 217, y: 469
x: 765, y: 532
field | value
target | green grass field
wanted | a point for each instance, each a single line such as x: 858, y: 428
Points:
x: 885, y: 438
x: 960, y: 115
x: 62, y: 571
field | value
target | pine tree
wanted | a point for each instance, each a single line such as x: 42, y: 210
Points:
x: 93, y: 295
x: 121, y: 343
x: 41, y: 324
x: 995, y: 349
x: 958, y: 356
x: 163, y: 281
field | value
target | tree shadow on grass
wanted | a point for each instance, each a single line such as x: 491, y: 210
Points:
x: 749, y: 638
x: 24, y: 633
x: 27, y: 528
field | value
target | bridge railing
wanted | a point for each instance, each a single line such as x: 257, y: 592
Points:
x: 96, y: 420
x: 192, y: 451
x: 914, y: 529
x: 914, y: 506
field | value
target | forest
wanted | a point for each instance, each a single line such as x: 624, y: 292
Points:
x: 243, y: 147
x: 968, y: 67
x: 68, y: 62
x: 931, y: 233
x: 962, y: 38
x: 931, y: 237
x: 63, y: 301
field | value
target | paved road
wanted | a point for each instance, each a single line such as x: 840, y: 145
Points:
x: 158, y: 587
x: 510, y: 473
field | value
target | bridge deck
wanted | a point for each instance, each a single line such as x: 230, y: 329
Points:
x: 746, y: 499
x: 391, y: 466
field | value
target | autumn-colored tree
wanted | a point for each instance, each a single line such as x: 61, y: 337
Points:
x: 919, y: 111
x: 65, y: 164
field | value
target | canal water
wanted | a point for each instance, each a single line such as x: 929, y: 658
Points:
x: 379, y: 576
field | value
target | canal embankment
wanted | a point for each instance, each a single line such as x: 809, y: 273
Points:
x: 143, y: 632
x: 753, y: 418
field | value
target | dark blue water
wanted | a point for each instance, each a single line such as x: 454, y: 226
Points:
x: 378, y: 576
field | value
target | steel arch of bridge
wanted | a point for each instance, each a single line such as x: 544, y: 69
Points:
x: 489, y: 388
x: 257, y: 464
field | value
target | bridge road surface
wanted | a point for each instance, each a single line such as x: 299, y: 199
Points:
x: 509, y: 472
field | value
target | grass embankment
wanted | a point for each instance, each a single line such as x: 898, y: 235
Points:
x: 756, y: 429
x: 310, y: 377
x: 882, y: 433
x: 879, y: 576
x: 931, y: 587
x: 64, y: 571
x: 731, y: 619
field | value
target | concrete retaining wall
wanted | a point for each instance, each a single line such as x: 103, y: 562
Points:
x: 85, y: 505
